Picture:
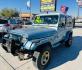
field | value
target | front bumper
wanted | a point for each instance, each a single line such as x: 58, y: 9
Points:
x: 16, y: 46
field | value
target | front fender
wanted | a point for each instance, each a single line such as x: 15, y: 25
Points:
x: 33, y: 45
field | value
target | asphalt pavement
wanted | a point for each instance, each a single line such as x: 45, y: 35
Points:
x: 63, y: 58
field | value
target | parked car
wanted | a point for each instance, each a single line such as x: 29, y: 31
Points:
x: 7, y: 25
x: 4, y: 27
x: 49, y: 31
x: 14, y: 23
x: 26, y: 23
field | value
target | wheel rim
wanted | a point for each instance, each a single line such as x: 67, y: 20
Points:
x: 45, y: 58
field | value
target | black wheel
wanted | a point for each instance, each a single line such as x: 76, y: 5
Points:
x: 43, y: 58
x: 9, y: 49
x: 21, y: 56
x: 8, y: 45
x: 68, y: 43
x: 3, y: 42
x: 5, y: 48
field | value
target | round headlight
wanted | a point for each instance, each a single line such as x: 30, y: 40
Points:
x: 24, y: 39
x: 10, y: 36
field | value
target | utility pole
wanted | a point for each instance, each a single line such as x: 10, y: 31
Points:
x: 30, y: 10
x: 29, y: 7
x: 55, y: 5
x: 78, y: 11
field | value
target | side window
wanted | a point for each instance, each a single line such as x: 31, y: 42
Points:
x: 52, y: 19
x: 62, y: 21
x: 55, y: 19
x: 69, y: 22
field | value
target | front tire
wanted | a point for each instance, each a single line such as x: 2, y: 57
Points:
x: 8, y: 47
x: 43, y: 59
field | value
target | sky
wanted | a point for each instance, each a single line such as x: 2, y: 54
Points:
x: 21, y: 5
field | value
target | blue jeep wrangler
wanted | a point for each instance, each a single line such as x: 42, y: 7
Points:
x: 37, y: 41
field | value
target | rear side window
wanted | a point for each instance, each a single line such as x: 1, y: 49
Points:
x: 68, y: 21
x: 3, y: 21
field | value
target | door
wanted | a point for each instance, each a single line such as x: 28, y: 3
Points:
x: 61, y: 27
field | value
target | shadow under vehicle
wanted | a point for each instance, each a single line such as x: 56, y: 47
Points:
x: 63, y: 55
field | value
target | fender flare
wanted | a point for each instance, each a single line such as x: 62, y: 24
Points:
x: 43, y: 45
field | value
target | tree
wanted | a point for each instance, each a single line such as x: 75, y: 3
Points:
x: 9, y: 12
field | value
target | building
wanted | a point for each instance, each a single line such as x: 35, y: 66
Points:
x: 26, y: 15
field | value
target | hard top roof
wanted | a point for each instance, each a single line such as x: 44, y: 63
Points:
x: 55, y: 13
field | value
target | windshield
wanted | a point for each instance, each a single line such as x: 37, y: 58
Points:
x: 51, y: 19
x: 27, y: 22
x: 12, y: 21
x: 3, y: 21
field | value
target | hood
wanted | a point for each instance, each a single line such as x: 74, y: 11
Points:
x: 34, y: 33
